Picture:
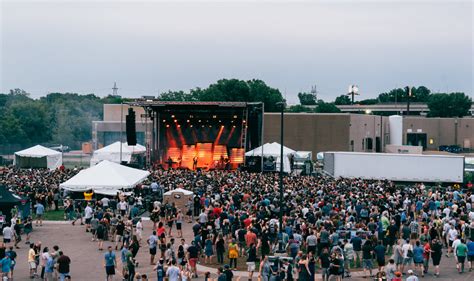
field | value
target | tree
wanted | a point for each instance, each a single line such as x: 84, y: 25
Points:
x: 326, y: 107
x: 307, y: 99
x: 342, y: 100
x: 299, y: 108
x: 174, y: 96
x: 449, y: 105
x: 230, y: 90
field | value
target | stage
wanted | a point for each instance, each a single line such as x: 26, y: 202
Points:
x: 201, y: 135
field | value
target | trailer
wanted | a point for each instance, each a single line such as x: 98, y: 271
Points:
x: 395, y: 167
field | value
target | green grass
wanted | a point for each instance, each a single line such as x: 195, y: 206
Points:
x: 54, y: 215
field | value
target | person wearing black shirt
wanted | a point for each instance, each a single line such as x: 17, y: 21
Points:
x: 220, y: 249
x: 380, y: 255
x: 324, y: 263
x: 193, y: 255
x: 335, y: 266
x: 367, y: 251
x: 357, y: 244
x: 119, y: 229
x: 251, y: 259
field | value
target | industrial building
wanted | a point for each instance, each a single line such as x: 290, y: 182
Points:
x: 317, y: 132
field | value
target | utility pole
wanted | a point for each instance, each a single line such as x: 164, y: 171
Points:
x: 314, y: 92
x: 115, y: 90
x: 353, y: 91
x: 280, y: 238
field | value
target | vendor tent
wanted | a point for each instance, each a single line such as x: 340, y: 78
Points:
x: 274, y: 149
x: 38, y: 157
x: 179, y: 196
x: 112, y: 153
x: 106, y: 178
x: 8, y: 201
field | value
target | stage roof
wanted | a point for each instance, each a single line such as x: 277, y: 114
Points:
x: 158, y: 103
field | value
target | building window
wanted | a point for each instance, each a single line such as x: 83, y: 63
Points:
x: 369, y: 144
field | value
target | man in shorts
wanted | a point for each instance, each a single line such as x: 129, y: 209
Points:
x: 193, y: 254
x: 110, y: 263
x: 31, y: 260
x: 152, y: 244
x: 88, y: 216
x: 39, y: 213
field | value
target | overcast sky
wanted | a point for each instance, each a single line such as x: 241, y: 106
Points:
x: 150, y: 47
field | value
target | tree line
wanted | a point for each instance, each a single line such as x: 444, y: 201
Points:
x: 439, y: 104
x: 66, y: 118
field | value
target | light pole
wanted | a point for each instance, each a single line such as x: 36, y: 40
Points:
x: 408, y: 89
x: 280, y: 242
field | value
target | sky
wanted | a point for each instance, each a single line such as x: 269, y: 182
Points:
x: 149, y: 47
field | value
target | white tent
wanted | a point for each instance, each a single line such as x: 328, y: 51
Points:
x: 38, y: 157
x: 179, y: 190
x: 112, y: 153
x: 106, y: 178
x: 274, y: 149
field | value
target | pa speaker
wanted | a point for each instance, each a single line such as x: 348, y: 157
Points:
x: 130, y: 127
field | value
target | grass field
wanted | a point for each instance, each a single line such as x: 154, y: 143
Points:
x: 54, y: 215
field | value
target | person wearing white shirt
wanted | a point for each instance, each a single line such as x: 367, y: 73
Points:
x: 7, y: 234
x: 446, y: 211
x: 88, y: 216
x: 139, y: 229
x: 452, y: 235
x: 105, y: 202
x: 406, y: 259
x: 122, y: 206
x: 173, y: 272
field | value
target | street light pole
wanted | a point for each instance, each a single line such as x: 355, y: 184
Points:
x: 280, y: 244
x: 408, y: 88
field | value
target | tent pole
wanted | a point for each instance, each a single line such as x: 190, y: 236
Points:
x: 121, y: 130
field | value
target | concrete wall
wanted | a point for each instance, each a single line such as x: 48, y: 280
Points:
x: 443, y: 131
x: 112, y: 112
x: 309, y: 131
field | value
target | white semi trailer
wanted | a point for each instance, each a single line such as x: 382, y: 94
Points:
x: 395, y: 167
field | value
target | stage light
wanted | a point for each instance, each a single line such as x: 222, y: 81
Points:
x: 164, y: 120
x: 232, y: 121
x: 233, y: 126
x: 202, y: 126
x: 210, y: 126
x: 191, y: 116
x: 235, y: 116
x: 214, y: 116
x: 199, y: 120
x: 175, y: 120
x: 172, y: 116
x: 187, y: 120
x: 167, y: 125
x: 222, y: 126
x: 244, y: 121
x: 179, y: 126
x: 220, y: 121
x: 191, y: 126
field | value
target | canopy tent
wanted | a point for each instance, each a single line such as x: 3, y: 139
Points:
x: 112, y: 153
x: 38, y: 157
x: 106, y: 178
x: 274, y: 149
x: 8, y: 201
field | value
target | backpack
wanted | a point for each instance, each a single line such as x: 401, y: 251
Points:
x: 410, y: 253
x: 160, y: 271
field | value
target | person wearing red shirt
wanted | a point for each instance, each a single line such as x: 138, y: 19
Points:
x: 247, y: 222
x: 250, y: 238
x: 426, y: 256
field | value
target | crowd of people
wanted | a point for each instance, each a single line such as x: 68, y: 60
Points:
x: 329, y: 227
